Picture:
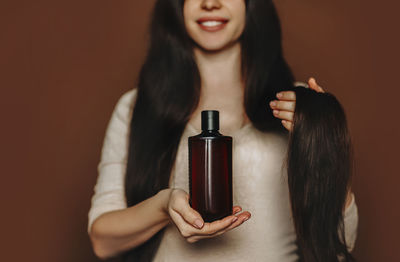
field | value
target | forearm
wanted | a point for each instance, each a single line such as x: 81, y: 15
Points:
x: 121, y: 230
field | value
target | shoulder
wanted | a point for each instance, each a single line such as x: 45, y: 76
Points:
x: 128, y: 98
x: 124, y: 106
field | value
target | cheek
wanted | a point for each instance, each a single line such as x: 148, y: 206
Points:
x: 189, y: 8
x: 240, y: 14
x: 188, y: 14
x: 242, y: 23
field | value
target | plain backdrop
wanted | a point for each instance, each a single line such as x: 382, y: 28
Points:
x: 64, y: 64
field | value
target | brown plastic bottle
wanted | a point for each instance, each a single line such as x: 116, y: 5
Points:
x: 210, y: 169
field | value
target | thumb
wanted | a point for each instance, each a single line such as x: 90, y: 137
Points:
x: 191, y: 215
x: 194, y: 218
x: 313, y: 85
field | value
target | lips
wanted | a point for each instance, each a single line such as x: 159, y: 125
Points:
x: 212, y: 24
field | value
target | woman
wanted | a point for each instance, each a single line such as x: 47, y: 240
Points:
x: 204, y: 54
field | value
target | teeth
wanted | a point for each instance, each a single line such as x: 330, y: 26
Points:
x: 211, y: 23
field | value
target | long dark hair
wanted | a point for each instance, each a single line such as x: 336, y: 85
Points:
x: 319, y: 167
x: 169, y: 89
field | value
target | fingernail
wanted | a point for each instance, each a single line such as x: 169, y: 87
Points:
x: 279, y: 95
x: 275, y: 112
x: 272, y: 103
x: 246, y: 218
x: 198, y: 223
x: 234, y: 219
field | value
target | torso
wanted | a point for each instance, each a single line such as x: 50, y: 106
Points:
x: 259, y: 186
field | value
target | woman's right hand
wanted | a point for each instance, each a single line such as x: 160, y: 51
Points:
x: 190, y: 223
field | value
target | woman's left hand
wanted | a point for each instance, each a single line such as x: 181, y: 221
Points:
x: 284, y: 107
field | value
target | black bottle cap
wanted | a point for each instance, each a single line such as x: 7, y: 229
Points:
x: 209, y: 120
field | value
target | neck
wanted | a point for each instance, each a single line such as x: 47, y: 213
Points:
x: 222, y: 87
x: 220, y: 71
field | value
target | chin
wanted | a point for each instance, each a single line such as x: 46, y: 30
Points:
x: 213, y: 46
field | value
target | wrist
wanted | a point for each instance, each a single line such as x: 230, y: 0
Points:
x: 164, y: 196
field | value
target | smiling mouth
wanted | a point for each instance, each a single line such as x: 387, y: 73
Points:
x: 212, y: 25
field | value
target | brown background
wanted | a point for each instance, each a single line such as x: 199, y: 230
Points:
x: 64, y: 64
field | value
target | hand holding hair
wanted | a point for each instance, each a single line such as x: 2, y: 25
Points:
x: 190, y: 223
x: 284, y: 108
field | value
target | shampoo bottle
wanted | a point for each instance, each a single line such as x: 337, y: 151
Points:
x: 210, y: 169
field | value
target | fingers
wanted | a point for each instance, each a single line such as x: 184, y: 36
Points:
x: 286, y: 95
x: 182, y: 207
x: 192, y: 216
x: 241, y: 218
x: 184, y: 228
x: 192, y: 234
x: 237, y: 221
x: 284, y: 115
x: 284, y: 109
x: 312, y: 83
x: 283, y: 105
x: 187, y: 219
x: 196, y: 238
x: 213, y: 229
x: 287, y: 124
x: 215, y: 226
x: 187, y: 230
x: 236, y: 209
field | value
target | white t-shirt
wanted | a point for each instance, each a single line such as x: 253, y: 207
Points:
x: 259, y: 186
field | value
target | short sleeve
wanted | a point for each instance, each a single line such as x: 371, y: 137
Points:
x: 351, y: 223
x: 109, y: 192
